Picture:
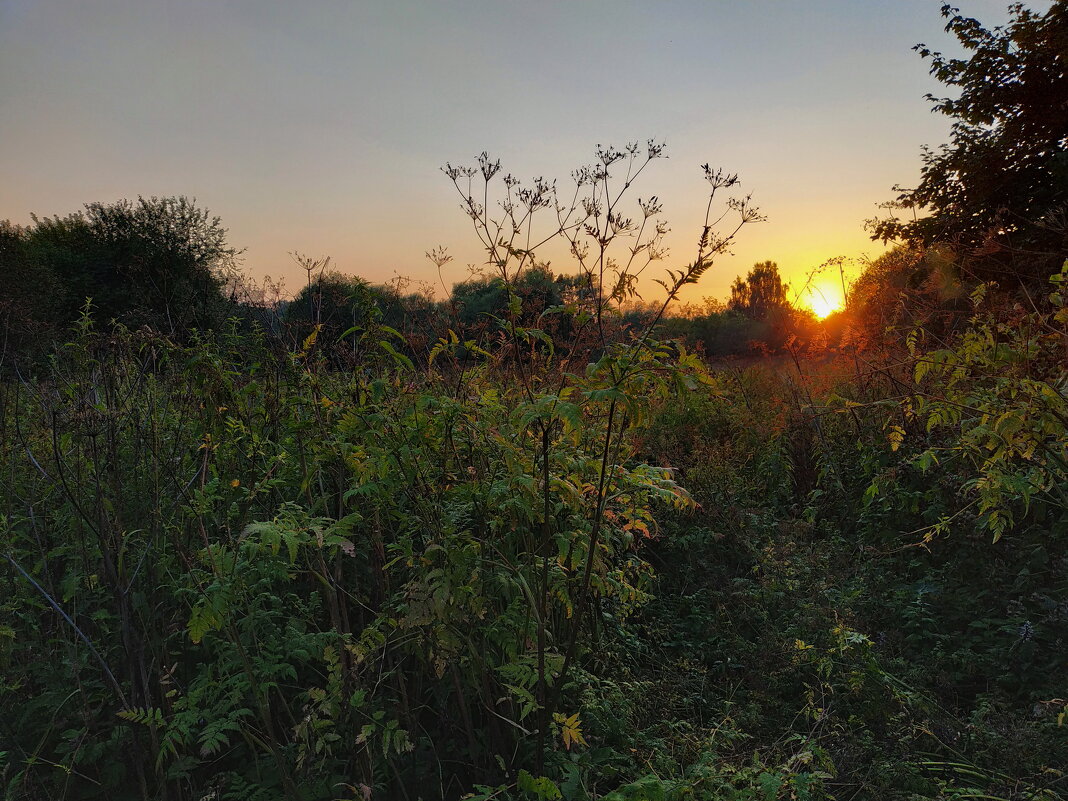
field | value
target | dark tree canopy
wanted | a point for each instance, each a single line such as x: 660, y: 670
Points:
x: 760, y: 293
x: 157, y: 261
x: 1002, y: 180
x: 537, y: 289
x: 335, y: 301
x: 31, y: 297
x: 170, y: 258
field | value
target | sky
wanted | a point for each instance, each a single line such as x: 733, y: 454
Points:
x: 319, y: 127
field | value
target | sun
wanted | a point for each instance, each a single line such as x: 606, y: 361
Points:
x: 823, y: 300
x: 823, y: 307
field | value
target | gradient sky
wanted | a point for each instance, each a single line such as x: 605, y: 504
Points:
x: 319, y: 127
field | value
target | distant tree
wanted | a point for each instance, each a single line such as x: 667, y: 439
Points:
x: 709, y: 305
x: 353, y: 315
x: 65, y: 248
x: 758, y: 315
x: 536, y: 287
x: 173, y: 256
x: 159, y: 261
x: 335, y: 301
x: 1002, y: 181
x: 761, y: 293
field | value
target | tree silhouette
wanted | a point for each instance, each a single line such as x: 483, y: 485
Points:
x: 761, y: 293
x: 157, y: 261
x: 1002, y: 181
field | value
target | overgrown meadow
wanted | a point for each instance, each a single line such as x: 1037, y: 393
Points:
x: 525, y: 543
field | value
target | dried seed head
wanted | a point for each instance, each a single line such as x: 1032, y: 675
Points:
x: 718, y: 178
x: 487, y: 167
x: 650, y: 207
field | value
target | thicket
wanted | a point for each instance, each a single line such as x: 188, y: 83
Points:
x: 501, y: 570
x: 761, y: 317
x: 159, y: 262
x: 239, y: 574
x: 521, y: 545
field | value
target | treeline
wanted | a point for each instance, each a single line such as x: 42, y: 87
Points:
x: 165, y: 264
x: 757, y: 319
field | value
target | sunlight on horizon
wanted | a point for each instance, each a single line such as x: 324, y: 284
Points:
x: 823, y: 299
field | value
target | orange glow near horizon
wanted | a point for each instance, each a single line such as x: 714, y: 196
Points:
x: 823, y: 299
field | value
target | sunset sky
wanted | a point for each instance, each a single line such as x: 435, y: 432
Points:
x: 319, y: 127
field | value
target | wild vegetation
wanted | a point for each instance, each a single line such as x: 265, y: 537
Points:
x: 524, y: 542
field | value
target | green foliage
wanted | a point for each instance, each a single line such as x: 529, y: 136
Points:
x: 335, y: 302
x: 265, y: 576
x: 723, y: 333
x: 1002, y: 387
x: 300, y: 535
x: 509, y: 563
x: 536, y: 290
x: 31, y: 295
x: 160, y: 262
x: 256, y: 576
